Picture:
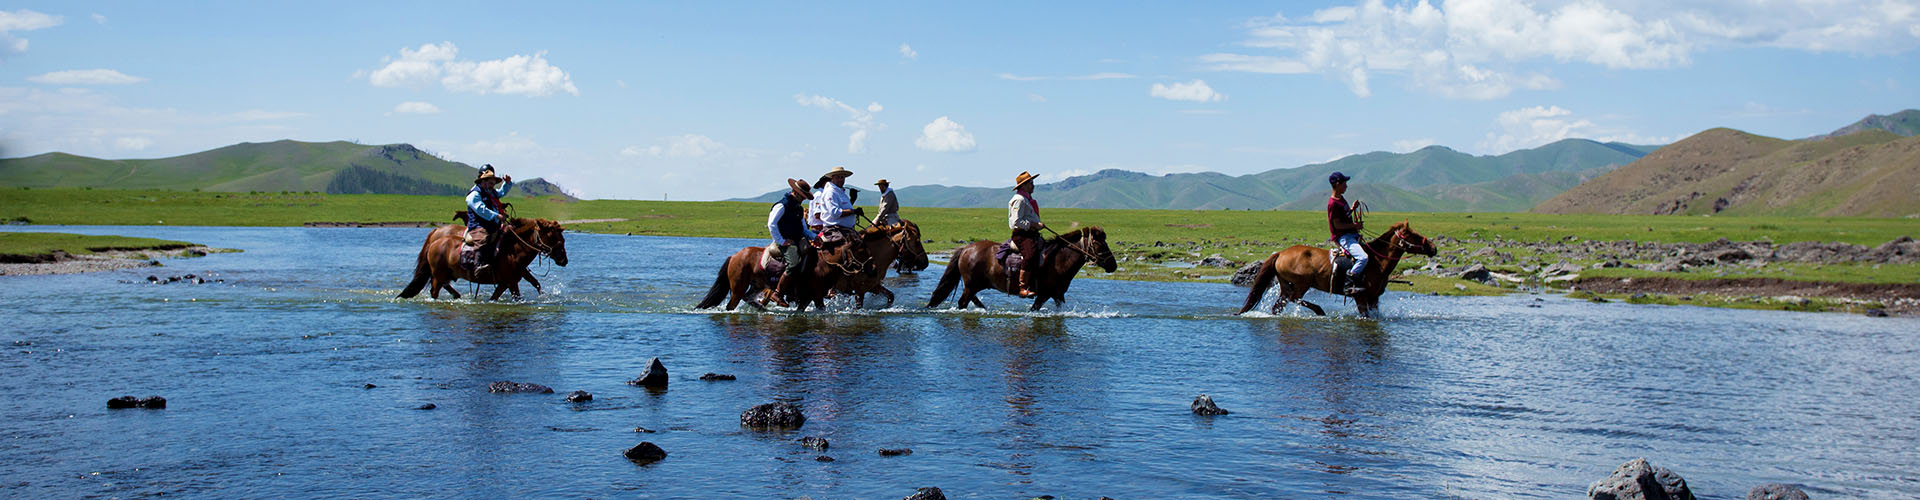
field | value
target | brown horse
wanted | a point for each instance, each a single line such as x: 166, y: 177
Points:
x: 1300, y: 268
x: 523, y: 241
x: 1061, y: 259
x: 885, y: 244
x: 743, y: 276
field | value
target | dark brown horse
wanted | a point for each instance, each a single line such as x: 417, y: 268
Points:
x: 1300, y: 268
x: 743, y: 275
x: 1062, y: 258
x: 885, y: 244
x: 523, y: 241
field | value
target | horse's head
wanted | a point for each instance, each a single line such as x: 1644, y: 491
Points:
x: 906, y: 238
x: 553, y: 237
x: 1411, y: 242
x: 1092, y: 241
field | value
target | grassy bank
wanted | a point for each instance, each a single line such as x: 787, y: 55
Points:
x: 24, y: 247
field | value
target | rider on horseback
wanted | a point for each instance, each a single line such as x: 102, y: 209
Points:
x: 786, y: 224
x: 484, y: 215
x: 1023, y: 217
x: 836, y: 211
x: 1346, y: 231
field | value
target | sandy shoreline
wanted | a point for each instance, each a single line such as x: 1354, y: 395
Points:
x: 111, y: 260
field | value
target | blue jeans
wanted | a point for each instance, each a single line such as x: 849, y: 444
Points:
x: 1351, y: 242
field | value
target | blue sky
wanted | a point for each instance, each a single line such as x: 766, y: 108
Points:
x: 696, y: 101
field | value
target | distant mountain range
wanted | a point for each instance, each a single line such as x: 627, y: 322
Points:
x: 332, y: 167
x: 1869, y: 168
x: 1434, y: 179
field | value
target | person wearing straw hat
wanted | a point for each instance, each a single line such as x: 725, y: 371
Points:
x: 836, y: 209
x: 786, y: 224
x: 1023, y: 217
x: 484, y: 217
x: 889, y: 207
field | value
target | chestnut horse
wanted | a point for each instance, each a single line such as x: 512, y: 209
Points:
x: 523, y: 241
x: 1062, y: 258
x: 1300, y: 268
x: 885, y: 244
x: 743, y: 276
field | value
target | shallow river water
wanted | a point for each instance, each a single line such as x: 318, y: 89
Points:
x: 1504, y: 397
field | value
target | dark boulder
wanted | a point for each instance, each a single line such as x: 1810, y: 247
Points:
x: 368, y: 386
x: 815, y: 442
x: 427, y: 406
x: 1247, y: 273
x: 927, y: 493
x: 645, y: 453
x: 154, y: 403
x: 895, y: 452
x: 1475, y: 272
x: 1639, y: 480
x: 643, y: 430
x: 123, y: 402
x: 1204, y: 406
x: 715, y: 377
x: 579, y: 397
x: 1877, y: 313
x: 1776, y: 491
x: 773, y: 416
x: 655, y: 376
x: 1215, y: 260
x: 511, y: 387
x: 823, y: 458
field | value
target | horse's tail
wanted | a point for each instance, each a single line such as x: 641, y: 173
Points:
x: 1261, y: 282
x: 720, y: 287
x: 949, y: 280
x: 421, y: 273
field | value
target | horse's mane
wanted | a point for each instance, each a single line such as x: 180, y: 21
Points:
x: 1078, y: 234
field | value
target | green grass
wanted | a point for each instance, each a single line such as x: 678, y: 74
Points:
x: 23, y: 245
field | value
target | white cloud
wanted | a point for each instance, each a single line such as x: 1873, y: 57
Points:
x: 689, y: 146
x: 944, y: 135
x: 21, y: 20
x: 85, y: 122
x: 529, y: 75
x: 417, y: 108
x: 1539, y: 125
x: 1410, y: 145
x: 1487, y: 49
x: 86, y: 77
x: 1095, y: 76
x: 132, y: 143
x: 908, y: 52
x: 1194, y: 91
x: 99, y: 19
x: 1036, y: 98
x: 860, y: 120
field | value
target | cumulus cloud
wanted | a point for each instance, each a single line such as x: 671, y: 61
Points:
x: 416, y: 108
x: 21, y: 20
x: 946, y: 136
x: 132, y: 143
x: 529, y: 75
x: 1094, y: 76
x: 1194, y: 91
x: 908, y: 52
x: 690, y: 146
x: 1486, y: 49
x: 861, y: 120
x: 83, y: 121
x: 86, y: 77
x: 1535, y: 126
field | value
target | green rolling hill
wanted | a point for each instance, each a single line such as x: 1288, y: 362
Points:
x: 332, y: 167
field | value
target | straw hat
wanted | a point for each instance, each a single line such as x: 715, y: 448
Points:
x: 1023, y: 179
x: 485, y: 175
x: 800, y: 189
x: 839, y: 171
x: 881, y: 182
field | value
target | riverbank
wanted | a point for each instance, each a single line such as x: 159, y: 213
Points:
x: 60, y: 253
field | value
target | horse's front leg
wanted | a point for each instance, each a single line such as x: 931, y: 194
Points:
x: 883, y: 291
x: 497, y: 289
x: 1037, y: 302
x: 529, y: 277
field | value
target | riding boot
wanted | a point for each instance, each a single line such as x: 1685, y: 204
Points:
x: 1025, y: 285
x: 781, y: 289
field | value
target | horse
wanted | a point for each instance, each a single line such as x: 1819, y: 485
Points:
x: 524, y: 240
x: 742, y: 274
x: 1061, y: 259
x: 1300, y: 268
x: 885, y: 244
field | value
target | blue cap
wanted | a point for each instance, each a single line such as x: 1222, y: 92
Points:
x: 1337, y: 177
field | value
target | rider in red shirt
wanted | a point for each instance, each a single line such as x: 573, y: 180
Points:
x: 1346, y: 232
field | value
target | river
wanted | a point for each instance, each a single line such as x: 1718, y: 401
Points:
x: 1523, y: 396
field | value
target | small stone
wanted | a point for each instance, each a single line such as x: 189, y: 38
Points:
x: 154, y: 403
x: 427, y: 406
x: 579, y: 397
x: 1639, y: 480
x: 895, y: 452
x: 714, y: 377
x: 823, y: 458
x: 643, y: 430
x: 153, y: 279
x: 1877, y: 313
x: 927, y: 493
x: 1203, y: 406
x: 654, y: 377
x: 645, y: 453
x: 368, y: 386
x: 1776, y: 491
x: 815, y: 442
x: 188, y: 277
x: 773, y: 416
x: 511, y: 387
x: 123, y: 402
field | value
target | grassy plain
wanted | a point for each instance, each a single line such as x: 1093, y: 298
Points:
x: 15, y: 246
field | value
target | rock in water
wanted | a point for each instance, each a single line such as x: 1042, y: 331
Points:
x: 714, y: 377
x: 1475, y: 272
x: 508, y: 386
x: 1204, y: 406
x: 1877, y: 313
x: 654, y: 377
x: 927, y: 493
x: 154, y: 403
x: 427, y: 406
x: 1639, y: 480
x: 645, y: 453
x: 895, y: 452
x: 579, y: 397
x: 1247, y: 273
x: 773, y: 416
x: 369, y: 386
x: 123, y: 402
x: 1776, y: 491
x: 815, y: 442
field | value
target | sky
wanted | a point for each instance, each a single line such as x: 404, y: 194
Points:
x: 714, y: 100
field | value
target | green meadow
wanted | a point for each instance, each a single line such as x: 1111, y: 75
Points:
x: 19, y: 246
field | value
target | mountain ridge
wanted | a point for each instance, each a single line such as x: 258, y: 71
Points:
x: 337, y: 167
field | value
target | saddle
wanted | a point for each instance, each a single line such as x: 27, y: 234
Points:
x: 1342, y: 265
